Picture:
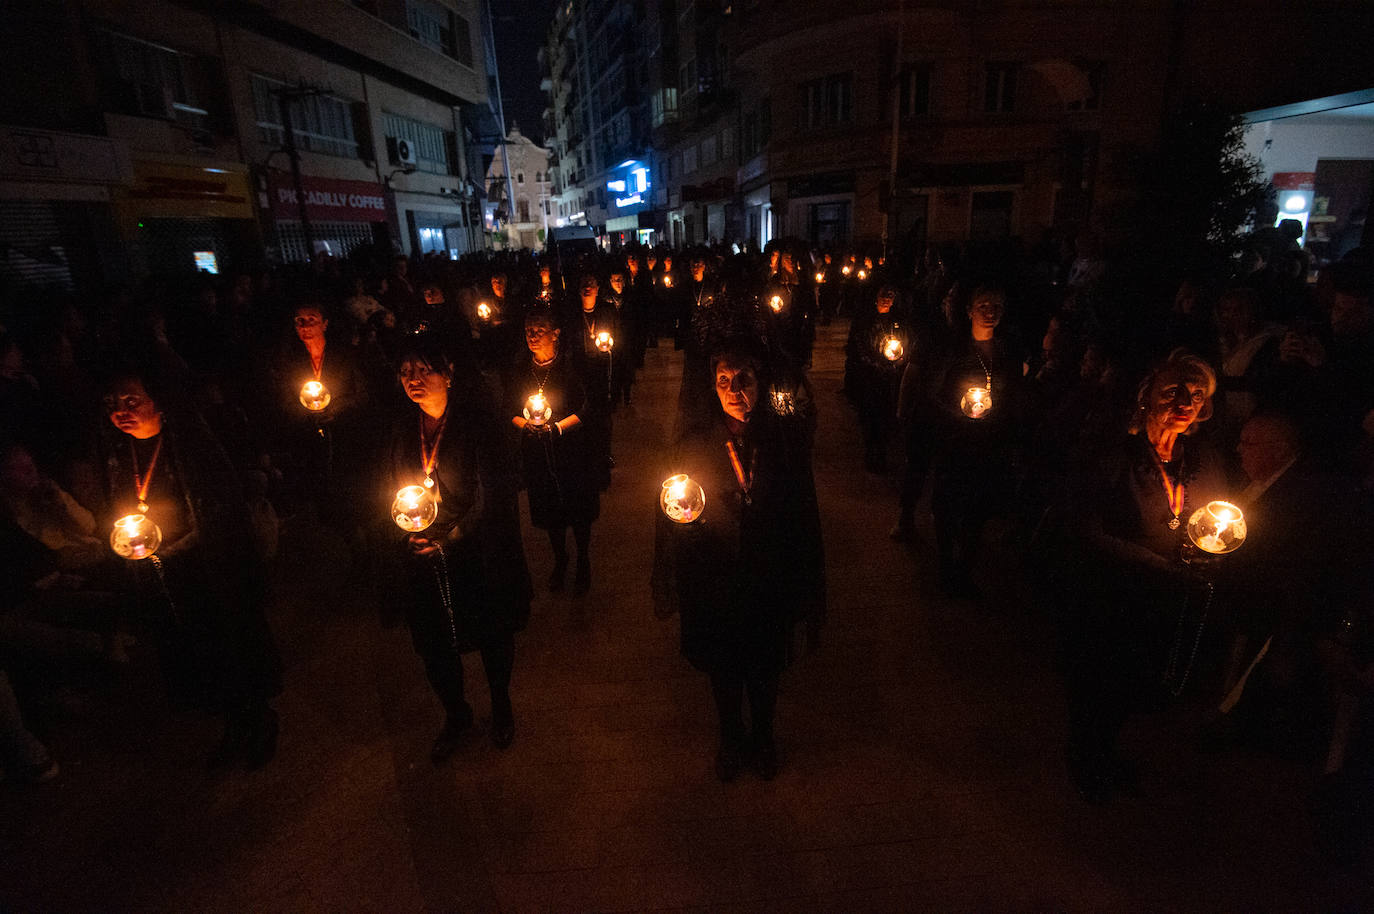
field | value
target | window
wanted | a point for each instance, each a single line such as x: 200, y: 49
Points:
x: 431, y: 143
x: 689, y: 160
x: 153, y: 81
x: 1000, y: 87
x: 523, y: 206
x: 436, y: 26
x: 708, y: 151
x: 319, y: 123
x: 538, y: 177
x: 1093, y: 70
x: 827, y: 102
x: 914, y: 100
x: 519, y: 177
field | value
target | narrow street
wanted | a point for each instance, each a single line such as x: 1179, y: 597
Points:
x: 922, y: 763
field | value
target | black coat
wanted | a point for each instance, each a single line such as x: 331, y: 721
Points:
x: 206, y: 599
x: 561, y: 471
x: 748, y: 569
x: 478, y: 524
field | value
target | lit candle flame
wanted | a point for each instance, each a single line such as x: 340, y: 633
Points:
x: 820, y: 277
x: 845, y: 270
x: 667, y: 280
x: 863, y: 274
x: 314, y: 396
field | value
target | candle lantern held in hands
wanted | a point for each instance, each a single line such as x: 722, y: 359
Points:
x: 135, y: 536
x: 775, y: 301
x: 893, y: 349
x: 604, y: 341
x: 1218, y: 527
x: 414, y: 509
x: 976, y: 402
x: 537, y: 409
x: 314, y: 396
x: 483, y: 311
x: 682, y: 499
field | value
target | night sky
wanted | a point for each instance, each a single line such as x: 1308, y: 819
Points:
x: 520, y: 26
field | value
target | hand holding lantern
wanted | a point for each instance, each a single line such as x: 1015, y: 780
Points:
x: 135, y: 537
x: 604, y: 341
x: 682, y: 499
x: 314, y: 395
x: 1218, y: 527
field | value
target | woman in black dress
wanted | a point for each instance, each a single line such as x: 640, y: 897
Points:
x: 878, y: 346
x: 468, y: 585
x: 562, y: 465
x: 204, y: 587
x: 1115, y: 568
x: 751, y: 567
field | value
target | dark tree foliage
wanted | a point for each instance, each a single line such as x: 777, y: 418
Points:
x: 1199, y: 195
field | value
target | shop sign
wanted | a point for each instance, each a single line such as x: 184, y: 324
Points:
x: 326, y: 199
x: 164, y: 190
x: 48, y: 155
x: 1294, y: 180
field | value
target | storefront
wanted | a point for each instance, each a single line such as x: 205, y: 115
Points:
x: 56, y: 223
x: 177, y: 217
x: 343, y: 215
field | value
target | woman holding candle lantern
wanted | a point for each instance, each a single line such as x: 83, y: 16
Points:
x: 976, y: 387
x: 877, y: 353
x: 469, y: 588
x: 1116, y: 573
x: 562, y: 465
x: 748, y: 567
x: 200, y: 579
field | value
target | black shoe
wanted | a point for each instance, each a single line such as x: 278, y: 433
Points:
x: 502, y: 727
x: 729, y: 762
x: 231, y: 746
x: 583, y: 581
x: 261, y: 744
x: 451, y: 737
x: 766, y: 760
x: 560, y: 571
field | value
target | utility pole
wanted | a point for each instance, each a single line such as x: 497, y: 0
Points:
x: 891, y: 223
x: 285, y: 96
x: 500, y: 107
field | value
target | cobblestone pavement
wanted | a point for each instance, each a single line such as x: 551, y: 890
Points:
x: 922, y: 757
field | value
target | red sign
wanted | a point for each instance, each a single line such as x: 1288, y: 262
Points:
x: 1294, y: 180
x: 326, y: 199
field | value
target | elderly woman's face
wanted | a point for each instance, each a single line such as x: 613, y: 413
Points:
x: 1175, y: 401
x: 738, y: 389
x: 132, y: 411
x: 421, y: 380
x: 540, y: 336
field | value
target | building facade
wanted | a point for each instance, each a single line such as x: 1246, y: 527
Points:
x: 196, y: 110
x: 520, y: 216
x: 595, y: 71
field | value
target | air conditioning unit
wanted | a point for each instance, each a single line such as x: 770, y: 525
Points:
x: 400, y: 151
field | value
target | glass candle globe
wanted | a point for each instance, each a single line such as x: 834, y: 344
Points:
x: 414, y: 509
x: 1217, y: 527
x: 820, y: 277
x: 314, y: 396
x: 682, y: 499
x: 135, y: 537
x: 893, y: 349
x: 483, y: 311
x: 863, y: 274
x: 604, y: 341
x: 976, y: 402
x: 775, y: 302
x: 846, y: 269
x: 667, y: 280
x: 537, y: 409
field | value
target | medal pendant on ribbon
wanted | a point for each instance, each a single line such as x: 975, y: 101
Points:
x: 142, y: 507
x: 429, y: 484
x: 1174, y: 524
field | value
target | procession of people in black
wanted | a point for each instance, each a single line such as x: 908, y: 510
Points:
x: 1074, y: 464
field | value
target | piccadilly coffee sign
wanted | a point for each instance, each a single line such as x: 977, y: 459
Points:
x: 327, y: 199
